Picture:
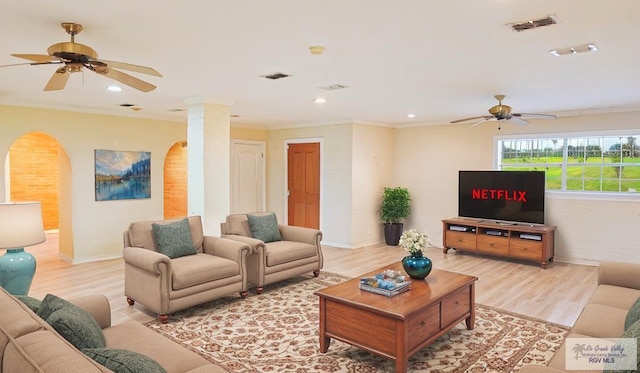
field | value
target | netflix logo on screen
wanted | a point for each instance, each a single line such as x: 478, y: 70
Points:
x: 511, y: 196
x: 508, y: 195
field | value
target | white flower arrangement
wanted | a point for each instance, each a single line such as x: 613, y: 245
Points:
x: 414, y: 242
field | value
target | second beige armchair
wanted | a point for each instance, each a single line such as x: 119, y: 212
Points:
x: 284, y: 252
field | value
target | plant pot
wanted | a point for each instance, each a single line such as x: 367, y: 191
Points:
x: 417, y: 266
x: 392, y: 233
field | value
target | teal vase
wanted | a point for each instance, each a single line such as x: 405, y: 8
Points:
x: 417, y: 266
x: 17, y: 268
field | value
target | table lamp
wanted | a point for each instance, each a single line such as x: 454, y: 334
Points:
x: 20, y: 226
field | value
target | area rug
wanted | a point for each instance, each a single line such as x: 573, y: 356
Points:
x: 277, y: 331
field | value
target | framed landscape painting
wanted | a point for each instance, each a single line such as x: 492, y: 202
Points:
x: 122, y: 174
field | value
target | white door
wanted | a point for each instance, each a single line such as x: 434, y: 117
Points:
x: 247, y: 176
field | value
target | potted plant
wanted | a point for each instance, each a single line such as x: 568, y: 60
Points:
x: 396, y: 205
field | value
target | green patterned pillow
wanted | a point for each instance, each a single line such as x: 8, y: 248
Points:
x: 628, y: 341
x: 73, y: 323
x: 265, y: 227
x: 31, y: 302
x: 51, y: 304
x: 633, y: 315
x: 123, y: 361
x: 174, y: 239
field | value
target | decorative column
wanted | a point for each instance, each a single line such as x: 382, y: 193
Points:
x: 208, y: 134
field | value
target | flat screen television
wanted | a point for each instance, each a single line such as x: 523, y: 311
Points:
x: 502, y: 196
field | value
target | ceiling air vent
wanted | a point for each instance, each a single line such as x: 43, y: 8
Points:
x: 275, y: 76
x: 531, y: 24
x: 127, y: 105
x: 334, y: 87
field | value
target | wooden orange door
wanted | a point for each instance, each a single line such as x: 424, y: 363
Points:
x: 303, y: 170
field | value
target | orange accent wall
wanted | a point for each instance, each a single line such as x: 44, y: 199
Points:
x: 175, y: 181
x: 34, y: 174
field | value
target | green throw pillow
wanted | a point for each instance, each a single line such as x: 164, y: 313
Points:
x: 632, y: 332
x: 633, y: 315
x: 265, y: 227
x: 174, y: 239
x: 123, y: 361
x: 31, y: 302
x: 51, y: 304
x: 73, y: 323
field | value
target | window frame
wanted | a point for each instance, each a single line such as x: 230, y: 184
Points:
x: 564, y: 137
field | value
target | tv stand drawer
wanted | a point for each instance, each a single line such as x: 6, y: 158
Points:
x: 526, y: 249
x: 460, y: 240
x: 493, y: 245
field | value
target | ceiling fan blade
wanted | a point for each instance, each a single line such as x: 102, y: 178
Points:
x: 127, y: 79
x: 132, y: 67
x: 18, y: 64
x: 517, y: 120
x: 535, y: 116
x: 58, y: 80
x: 484, y: 119
x: 38, y: 58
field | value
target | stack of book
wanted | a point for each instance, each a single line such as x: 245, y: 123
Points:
x: 388, y: 283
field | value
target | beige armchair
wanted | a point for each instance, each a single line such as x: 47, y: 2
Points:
x: 297, y: 252
x: 217, y: 268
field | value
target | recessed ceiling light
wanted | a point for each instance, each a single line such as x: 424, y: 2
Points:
x: 411, y: 115
x: 114, y: 88
x: 320, y: 100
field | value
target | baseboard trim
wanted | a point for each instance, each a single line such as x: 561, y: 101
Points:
x: 336, y: 244
x: 91, y: 259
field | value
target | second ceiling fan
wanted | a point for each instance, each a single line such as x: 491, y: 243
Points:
x: 503, y: 112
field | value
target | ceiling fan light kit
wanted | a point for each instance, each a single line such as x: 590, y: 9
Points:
x: 75, y: 56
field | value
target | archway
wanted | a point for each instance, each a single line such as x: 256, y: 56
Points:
x: 175, y: 181
x: 38, y: 169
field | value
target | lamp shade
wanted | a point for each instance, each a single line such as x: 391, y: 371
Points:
x: 21, y: 225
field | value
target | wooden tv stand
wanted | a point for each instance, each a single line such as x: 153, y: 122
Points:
x: 523, y: 241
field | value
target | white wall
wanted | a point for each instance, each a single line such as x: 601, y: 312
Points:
x: 356, y: 165
x: 357, y: 162
x: 372, y: 170
x: 427, y: 161
x: 96, y: 226
x: 335, y: 174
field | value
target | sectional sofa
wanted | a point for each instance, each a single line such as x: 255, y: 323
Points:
x: 29, y: 344
x: 605, y: 314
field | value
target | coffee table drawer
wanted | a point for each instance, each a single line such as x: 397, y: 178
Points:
x: 423, y: 325
x: 361, y: 327
x: 456, y: 306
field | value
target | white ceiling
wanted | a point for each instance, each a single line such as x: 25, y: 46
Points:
x: 442, y: 60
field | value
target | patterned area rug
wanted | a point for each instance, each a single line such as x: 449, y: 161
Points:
x: 277, y: 331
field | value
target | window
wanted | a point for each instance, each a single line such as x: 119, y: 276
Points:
x: 586, y: 164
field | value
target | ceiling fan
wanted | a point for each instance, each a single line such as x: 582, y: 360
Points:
x: 503, y: 112
x: 74, y: 56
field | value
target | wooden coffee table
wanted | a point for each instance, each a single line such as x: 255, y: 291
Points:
x: 399, y: 326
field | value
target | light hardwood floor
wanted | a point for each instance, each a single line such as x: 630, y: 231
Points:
x: 556, y: 294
